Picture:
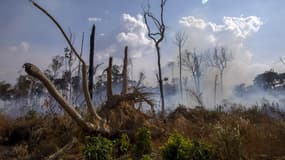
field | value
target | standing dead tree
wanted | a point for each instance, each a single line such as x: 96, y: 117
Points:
x: 215, y: 90
x: 95, y: 122
x: 192, y: 62
x: 157, y: 34
x: 91, y: 62
x: 219, y: 59
x: 125, y: 73
x: 109, y: 80
x: 180, y: 40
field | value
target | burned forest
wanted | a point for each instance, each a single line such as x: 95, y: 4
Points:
x: 145, y: 80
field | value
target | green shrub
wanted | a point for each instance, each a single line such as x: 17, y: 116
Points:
x: 146, y: 157
x: 124, y: 143
x: 122, y: 146
x: 181, y: 148
x: 98, y: 148
x: 142, y: 141
x: 201, y: 151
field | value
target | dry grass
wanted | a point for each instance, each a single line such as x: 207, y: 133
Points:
x: 239, y: 133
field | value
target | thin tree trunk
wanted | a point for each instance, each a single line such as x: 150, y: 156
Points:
x: 81, y: 52
x: 109, y: 80
x: 215, y: 90
x: 92, y: 112
x: 180, y: 72
x: 160, y: 81
x: 37, y: 73
x: 125, y: 73
x: 91, y: 62
x: 222, y: 82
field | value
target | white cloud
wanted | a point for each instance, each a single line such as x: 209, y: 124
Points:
x: 94, y: 19
x: 141, y: 50
x: 241, y: 27
x: 232, y: 34
x: 204, y: 1
x: 193, y: 22
x: 22, y: 47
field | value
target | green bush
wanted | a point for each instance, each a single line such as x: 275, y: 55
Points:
x: 98, y: 148
x: 146, y: 157
x: 124, y: 143
x: 142, y: 141
x: 181, y: 148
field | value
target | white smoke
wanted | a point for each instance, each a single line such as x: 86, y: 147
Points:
x: 231, y: 34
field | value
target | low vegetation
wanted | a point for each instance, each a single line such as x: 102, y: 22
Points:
x: 197, y: 134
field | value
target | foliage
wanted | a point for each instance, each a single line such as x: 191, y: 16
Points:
x: 146, y: 157
x: 181, y: 148
x: 98, y: 148
x: 228, y: 141
x: 143, y: 141
x: 124, y: 143
x: 31, y: 114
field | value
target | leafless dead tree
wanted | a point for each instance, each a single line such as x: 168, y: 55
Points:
x: 125, y: 73
x: 215, y: 90
x: 157, y: 34
x: 192, y: 62
x: 219, y: 59
x: 180, y: 40
x: 94, y: 122
x: 91, y: 62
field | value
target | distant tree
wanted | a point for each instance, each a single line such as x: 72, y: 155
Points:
x: 219, y: 59
x: 156, y: 34
x: 57, y: 63
x: 268, y: 80
x: 180, y: 39
x: 192, y: 62
x: 22, y: 86
x: 6, y: 91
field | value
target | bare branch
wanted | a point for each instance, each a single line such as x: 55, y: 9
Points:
x: 84, y: 68
x: 34, y: 71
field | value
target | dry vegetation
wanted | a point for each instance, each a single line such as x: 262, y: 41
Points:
x: 256, y: 133
x: 231, y: 132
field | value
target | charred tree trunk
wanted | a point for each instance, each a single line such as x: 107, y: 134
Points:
x: 34, y: 71
x: 215, y: 90
x: 222, y: 82
x: 125, y: 73
x: 157, y: 35
x: 180, y: 72
x: 92, y: 114
x: 91, y: 62
x: 109, y: 80
x: 160, y: 81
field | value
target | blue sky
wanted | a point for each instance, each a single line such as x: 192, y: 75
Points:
x: 29, y: 36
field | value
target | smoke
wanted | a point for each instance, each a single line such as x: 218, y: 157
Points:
x: 231, y: 34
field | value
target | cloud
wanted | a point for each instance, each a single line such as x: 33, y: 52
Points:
x: 204, y: 1
x: 241, y: 27
x: 94, y: 19
x: 140, y: 48
x: 22, y: 47
x: 232, y: 34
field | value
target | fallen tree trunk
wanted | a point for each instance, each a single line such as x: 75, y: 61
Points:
x: 34, y: 71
